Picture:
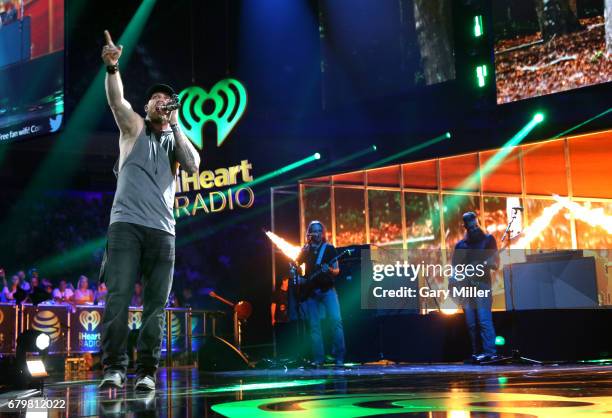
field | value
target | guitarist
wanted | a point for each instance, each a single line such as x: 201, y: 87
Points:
x: 318, y: 293
x: 477, y: 247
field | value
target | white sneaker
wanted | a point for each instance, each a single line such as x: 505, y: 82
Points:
x: 112, y: 379
x: 145, y: 382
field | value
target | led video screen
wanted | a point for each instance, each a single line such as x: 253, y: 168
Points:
x: 545, y: 47
x: 375, y: 49
x: 31, y: 68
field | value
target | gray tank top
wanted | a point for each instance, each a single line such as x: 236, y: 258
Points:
x: 146, y: 184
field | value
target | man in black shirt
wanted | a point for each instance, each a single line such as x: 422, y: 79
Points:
x: 318, y: 292
x: 477, y: 247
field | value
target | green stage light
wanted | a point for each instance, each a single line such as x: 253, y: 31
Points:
x: 502, y: 380
x: 335, y: 163
x: 481, y: 75
x: 409, y: 150
x: 500, y: 340
x: 448, y: 135
x: 73, y: 257
x: 472, y: 181
x: 573, y: 128
x: 598, y: 361
x: 282, y: 170
x: 478, y: 28
x: 538, y: 117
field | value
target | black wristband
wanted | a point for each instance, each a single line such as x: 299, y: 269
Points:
x: 112, y: 69
x: 175, y: 127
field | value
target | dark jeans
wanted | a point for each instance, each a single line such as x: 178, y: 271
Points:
x: 328, y: 301
x: 479, y: 321
x: 135, y: 251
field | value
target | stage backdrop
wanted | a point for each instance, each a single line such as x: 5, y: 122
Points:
x: 562, y: 184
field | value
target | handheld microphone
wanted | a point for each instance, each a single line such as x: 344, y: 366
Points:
x: 518, y: 208
x: 168, y: 107
x: 173, y: 104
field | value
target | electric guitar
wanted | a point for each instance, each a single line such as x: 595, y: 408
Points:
x: 306, y: 285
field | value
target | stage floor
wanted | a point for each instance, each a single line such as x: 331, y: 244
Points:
x: 433, y: 391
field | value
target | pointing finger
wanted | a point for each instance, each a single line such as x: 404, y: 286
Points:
x: 109, y: 40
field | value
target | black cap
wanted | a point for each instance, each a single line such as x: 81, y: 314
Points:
x: 469, y: 217
x: 160, y: 88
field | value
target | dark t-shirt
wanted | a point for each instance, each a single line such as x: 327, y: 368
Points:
x: 281, y: 298
x: 477, y: 252
x: 309, y: 255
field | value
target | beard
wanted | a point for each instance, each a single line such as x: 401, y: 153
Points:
x: 315, y: 241
x: 475, y: 235
x: 157, y: 118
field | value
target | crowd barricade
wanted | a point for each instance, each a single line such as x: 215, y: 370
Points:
x: 77, y: 329
x: 8, y: 327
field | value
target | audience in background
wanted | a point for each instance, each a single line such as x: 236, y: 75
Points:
x: 34, y: 284
x: 137, y: 297
x: 47, y: 286
x: 4, y: 286
x: 65, y: 293
x: 62, y: 294
x: 8, y: 292
x: 23, y: 283
x: 83, y: 294
x: 33, y: 272
x: 101, y: 294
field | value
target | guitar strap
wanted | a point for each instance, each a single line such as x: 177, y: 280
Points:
x: 321, y: 252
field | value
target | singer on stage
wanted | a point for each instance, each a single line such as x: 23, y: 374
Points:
x: 478, y: 247
x: 319, y: 293
x: 141, y: 232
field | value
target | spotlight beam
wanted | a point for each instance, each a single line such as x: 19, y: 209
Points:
x: 59, y: 263
x: 472, y: 181
x: 334, y: 163
x: 282, y: 170
x: 605, y: 112
x: 410, y: 150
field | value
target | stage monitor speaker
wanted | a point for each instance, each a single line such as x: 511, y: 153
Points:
x: 561, y: 284
x: 216, y: 354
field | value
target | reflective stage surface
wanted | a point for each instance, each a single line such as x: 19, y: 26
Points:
x: 453, y: 391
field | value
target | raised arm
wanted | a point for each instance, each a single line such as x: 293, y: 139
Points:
x: 128, y: 121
